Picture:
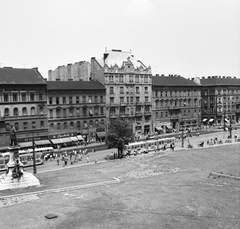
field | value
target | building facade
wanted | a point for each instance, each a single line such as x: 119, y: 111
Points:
x: 176, y: 103
x: 76, y: 108
x: 71, y: 72
x: 23, y: 104
x: 220, y: 99
x: 128, y: 84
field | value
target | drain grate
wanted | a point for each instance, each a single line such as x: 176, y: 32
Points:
x: 51, y: 216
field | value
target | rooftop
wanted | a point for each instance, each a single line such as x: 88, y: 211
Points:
x: 9, y: 75
x: 171, y: 80
x: 219, y: 80
x: 77, y: 85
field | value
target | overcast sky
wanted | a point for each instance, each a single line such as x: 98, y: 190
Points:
x: 185, y: 37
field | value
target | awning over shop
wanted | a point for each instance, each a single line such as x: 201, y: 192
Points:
x: 25, y: 144
x: 211, y: 120
x: 56, y: 141
x: 65, y: 140
x: 158, y: 128
x: 168, y: 126
x: 42, y: 142
x: 80, y: 137
x: 226, y: 120
x: 101, y: 134
x: 74, y: 139
x: 204, y: 120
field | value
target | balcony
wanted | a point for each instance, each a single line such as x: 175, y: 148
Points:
x: 123, y: 114
x: 138, y: 113
x: 17, y: 117
x: 147, y: 112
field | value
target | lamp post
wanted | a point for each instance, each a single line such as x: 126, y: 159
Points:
x: 230, y: 127
x: 182, y: 132
x: 224, y: 124
x: 34, y: 156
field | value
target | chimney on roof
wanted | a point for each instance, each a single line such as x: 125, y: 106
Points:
x: 36, y: 68
x: 162, y: 75
x: 57, y: 79
x: 203, y: 77
x: 157, y: 74
x: 219, y: 77
x: 70, y: 79
x: 223, y: 77
x: 179, y: 76
x: 209, y: 77
x: 234, y: 77
x: 192, y: 78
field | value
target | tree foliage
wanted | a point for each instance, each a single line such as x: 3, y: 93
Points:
x: 119, y: 133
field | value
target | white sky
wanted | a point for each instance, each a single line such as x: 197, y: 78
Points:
x: 184, y: 37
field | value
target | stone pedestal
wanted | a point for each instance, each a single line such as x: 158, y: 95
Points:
x: 8, y: 182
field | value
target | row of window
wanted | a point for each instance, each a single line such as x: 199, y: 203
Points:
x: 129, y: 90
x: 177, y: 103
x: 185, y: 113
x: 22, y: 97
x: 129, y: 100
x: 75, y: 100
x: 121, y: 78
x: 77, y: 125
x: 77, y: 111
x: 159, y: 94
x: 25, y: 125
x: 15, y: 111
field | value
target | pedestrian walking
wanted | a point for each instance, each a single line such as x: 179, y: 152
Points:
x: 58, y: 157
x: 87, y: 159
x: 96, y: 160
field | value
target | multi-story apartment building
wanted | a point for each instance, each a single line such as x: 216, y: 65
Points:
x: 23, y: 104
x: 75, y: 72
x: 76, y: 107
x: 176, y: 103
x: 220, y: 99
x: 128, y: 84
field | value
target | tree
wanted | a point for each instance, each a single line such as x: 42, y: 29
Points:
x: 119, y: 134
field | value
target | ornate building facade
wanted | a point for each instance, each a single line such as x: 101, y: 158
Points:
x: 128, y: 84
x: 176, y: 103
x: 71, y: 72
x: 23, y: 104
x: 76, y: 107
x: 220, y: 99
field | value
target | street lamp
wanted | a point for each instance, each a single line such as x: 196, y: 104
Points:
x: 184, y: 105
x: 34, y: 156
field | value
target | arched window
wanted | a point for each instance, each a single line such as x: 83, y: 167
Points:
x: 7, y: 127
x: 6, y: 112
x: 51, y: 126
x: 78, y: 124
x: 41, y: 110
x: 102, y: 122
x: 71, y: 125
x: 33, y: 111
x: 15, y: 111
x: 24, y: 111
x: 65, y: 125
x: 16, y: 126
x: 58, y: 126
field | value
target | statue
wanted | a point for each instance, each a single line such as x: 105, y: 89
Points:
x: 13, y: 137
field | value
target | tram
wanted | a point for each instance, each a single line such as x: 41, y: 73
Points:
x: 26, y: 157
x: 147, y: 146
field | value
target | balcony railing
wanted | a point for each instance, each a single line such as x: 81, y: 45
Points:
x: 24, y: 117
